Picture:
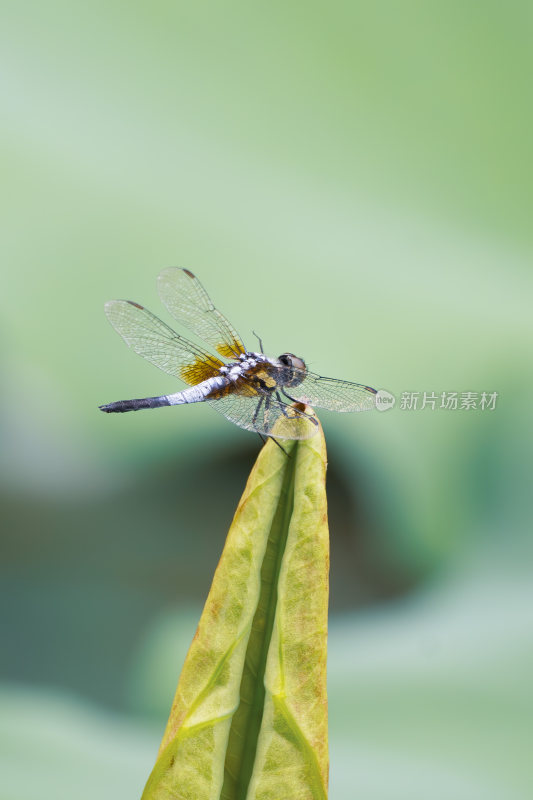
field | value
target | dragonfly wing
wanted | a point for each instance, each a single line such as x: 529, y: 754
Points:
x: 332, y: 394
x: 152, y: 339
x: 265, y: 415
x: 187, y: 301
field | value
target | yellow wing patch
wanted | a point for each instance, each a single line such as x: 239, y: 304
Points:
x: 228, y: 350
x: 200, y: 370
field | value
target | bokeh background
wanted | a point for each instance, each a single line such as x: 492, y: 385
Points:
x: 354, y: 182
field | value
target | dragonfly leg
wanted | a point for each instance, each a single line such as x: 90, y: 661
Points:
x: 305, y: 414
x: 280, y: 446
x: 278, y: 396
x: 260, y: 341
x: 293, y: 399
x: 256, y: 412
x: 266, y: 401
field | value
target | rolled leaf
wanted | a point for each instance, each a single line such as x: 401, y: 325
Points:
x: 249, y: 719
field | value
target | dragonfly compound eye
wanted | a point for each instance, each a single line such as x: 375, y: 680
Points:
x: 295, y: 368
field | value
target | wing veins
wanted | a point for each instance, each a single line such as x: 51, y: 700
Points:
x: 157, y: 342
x: 332, y: 393
x: 188, y: 302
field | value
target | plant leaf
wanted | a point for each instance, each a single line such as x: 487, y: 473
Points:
x: 249, y: 719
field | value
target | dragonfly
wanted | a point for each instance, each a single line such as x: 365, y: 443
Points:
x: 268, y: 396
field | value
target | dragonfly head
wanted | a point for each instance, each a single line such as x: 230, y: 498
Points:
x: 294, y: 369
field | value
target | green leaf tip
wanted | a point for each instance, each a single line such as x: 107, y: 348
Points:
x: 249, y: 719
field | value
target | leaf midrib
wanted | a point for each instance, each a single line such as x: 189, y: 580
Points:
x: 247, y: 719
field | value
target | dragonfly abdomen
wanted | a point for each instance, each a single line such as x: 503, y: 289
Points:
x: 194, y: 394
x: 135, y: 405
x: 198, y: 393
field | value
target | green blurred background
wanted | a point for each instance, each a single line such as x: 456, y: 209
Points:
x: 354, y: 182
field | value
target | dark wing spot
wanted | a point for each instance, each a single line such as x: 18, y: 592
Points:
x: 189, y: 273
x: 131, y: 302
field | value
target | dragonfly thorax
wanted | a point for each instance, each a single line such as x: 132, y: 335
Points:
x: 247, y: 361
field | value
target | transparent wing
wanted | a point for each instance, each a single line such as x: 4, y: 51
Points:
x: 267, y: 416
x: 187, y: 301
x: 152, y: 339
x: 332, y: 394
